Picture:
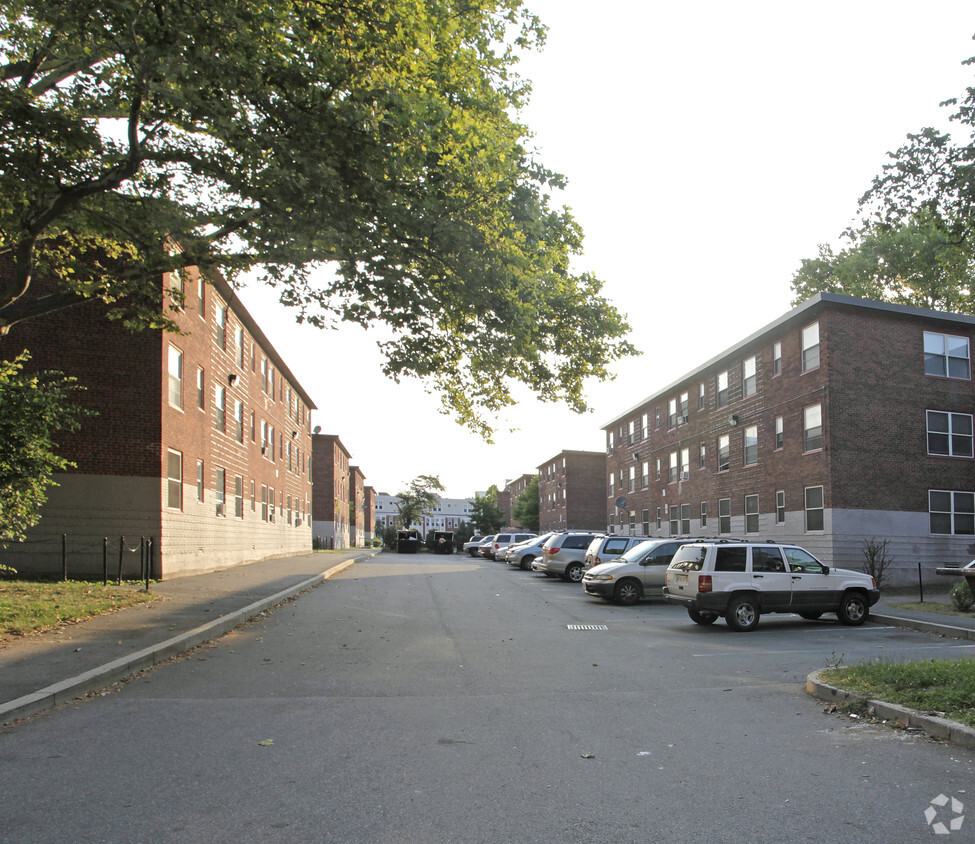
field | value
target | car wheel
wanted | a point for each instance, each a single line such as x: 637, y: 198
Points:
x: 526, y: 562
x: 853, y: 609
x: 810, y: 616
x: 742, y: 614
x: 573, y: 572
x: 705, y: 618
x: 628, y: 592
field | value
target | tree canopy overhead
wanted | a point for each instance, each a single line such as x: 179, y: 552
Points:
x: 376, y: 138
x: 915, y: 240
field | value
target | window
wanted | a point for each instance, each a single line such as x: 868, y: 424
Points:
x: 253, y: 496
x: 289, y: 511
x: 780, y: 507
x: 702, y: 456
x: 952, y: 512
x: 672, y: 475
x: 685, y: 463
x: 685, y: 519
x: 672, y: 413
x: 264, y: 374
x: 609, y: 442
x: 270, y: 441
x: 221, y: 417
x: 646, y: 425
x: 175, y: 377
x: 632, y: 522
x: 776, y: 359
x: 751, y: 445
x: 658, y: 518
x: 658, y: 469
x: 700, y: 396
x: 239, y: 497
x: 767, y: 559
x: 704, y: 514
x: 220, y: 484
x: 815, y: 509
x: 682, y: 408
x: 749, y: 377
x: 722, y: 385
x: 222, y: 326
x: 270, y: 503
x: 812, y: 428
x: 174, y: 472
x: 239, y: 345
x: 946, y: 356
x: 200, y: 485
x: 630, y: 433
x: 263, y: 502
x: 724, y: 515
x: 656, y: 417
x: 253, y: 426
x: 201, y: 293
x: 949, y: 434
x: 631, y: 487
x: 724, y: 453
x: 200, y: 394
x: 731, y: 559
x: 239, y: 420
x: 779, y: 433
x: 645, y: 479
x: 674, y: 520
x: 810, y: 347
x: 751, y: 514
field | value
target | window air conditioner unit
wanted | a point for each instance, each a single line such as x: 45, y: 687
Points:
x: 682, y: 420
x: 297, y: 522
x: 220, y: 510
x: 685, y: 475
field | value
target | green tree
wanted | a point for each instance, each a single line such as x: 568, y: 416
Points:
x: 525, y: 508
x: 365, y: 156
x: 920, y: 263
x: 33, y: 410
x: 486, y: 515
x: 418, y: 499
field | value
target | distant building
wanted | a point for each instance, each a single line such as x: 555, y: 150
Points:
x: 332, y: 491
x: 357, y: 503
x: 513, y: 491
x: 201, y: 443
x: 841, y: 422
x: 572, y: 491
x: 369, y: 513
x: 447, y: 515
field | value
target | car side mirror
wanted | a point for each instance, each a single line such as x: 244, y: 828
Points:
x: 825, y: 569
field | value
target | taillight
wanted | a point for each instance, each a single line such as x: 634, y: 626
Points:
x: 596, y: 561
x: 551, y: 550
x: 704, y: 583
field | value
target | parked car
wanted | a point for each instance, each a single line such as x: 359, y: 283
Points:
x: 486, y: 548
x: 606, y: 547
x: 503, y: 540
x: 523, y: 553
x: 563, y: 555
x: 743, y: 580
x: 472, y: 544
x: 638, y: 573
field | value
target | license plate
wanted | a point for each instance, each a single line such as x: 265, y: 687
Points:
x: 681, y: 578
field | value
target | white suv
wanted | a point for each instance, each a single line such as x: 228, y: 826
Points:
x: 742, y: 580
x: 503, y: 540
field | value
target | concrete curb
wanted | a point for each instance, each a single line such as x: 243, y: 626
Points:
x: 933, y: 725
x: 119, y: 669
x: 923, y: 626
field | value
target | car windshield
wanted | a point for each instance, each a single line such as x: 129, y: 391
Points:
x: 638, y: 552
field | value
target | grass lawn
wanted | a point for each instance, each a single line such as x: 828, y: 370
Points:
x: 943, y: 686
x: 31, y: 606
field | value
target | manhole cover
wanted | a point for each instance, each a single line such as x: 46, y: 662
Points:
x: 587, y: 627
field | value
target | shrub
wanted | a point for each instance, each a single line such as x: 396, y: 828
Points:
x: 961, y: 597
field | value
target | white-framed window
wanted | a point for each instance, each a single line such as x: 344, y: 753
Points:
x: 645, y: 479
x: 659, y: 469
x: 815, y: 508
x: 239, y: 345
x: 812, y: 428
x: 174, y: 473
x: 176, y: 292
x: 724, y: 453
x: 263, y: 502
x: 646, y: 425
x: 779, y: 433
x: 700, y: 396
x: 201, y: 288
x: 683, y: 408
x: 270, y: 504
x: 749, y: 377
x: 239, y: 420
x: 776, y: 359
x: 946, y: 356
x: 810, y: 347
x: 238, y: 497
x: 270, y: 441
x: 780, y: 507
x: 702, y: 456
x: 672, y: 413
x: 200, y: 482
x: 751, y: 445
x: 220, y: 490
x: 222, y: 326
x: 722, y: 389
x: 685, y: 463
x: 724, y: 515
x: 751, y: 514
x: 672, y: 474
x: 658, y: 518
x: 221, y: 407
x: 704, y: 514
x: 201, y: 400
x: 674, y: 513
x: 949, y: 434
x: 612, y: 484
x: 175, y: 377
x: 264, y: 373
x: 631, y: 432
x: 646, y: 522
x: 951, y: 512
x: 631, y: 487
x: 685, y: 519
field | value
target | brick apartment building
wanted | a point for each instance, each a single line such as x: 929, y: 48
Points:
x: 357, y: 503
x: 572, y: 491
x: 513, y: 490
x: 369, y: 513
x: 843, y: 421
x: 332, y: 491
x: 201, y: 441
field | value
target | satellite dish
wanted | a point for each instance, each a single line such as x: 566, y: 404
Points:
x: 620, y: 503
x: 318, y: 429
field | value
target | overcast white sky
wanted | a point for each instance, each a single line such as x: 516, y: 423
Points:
x: 709, y: 148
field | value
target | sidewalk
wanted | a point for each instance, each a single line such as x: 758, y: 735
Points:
x: 42, y: 671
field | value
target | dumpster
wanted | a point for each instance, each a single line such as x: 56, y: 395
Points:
x: 407, y: 541
x: 443, y: 542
